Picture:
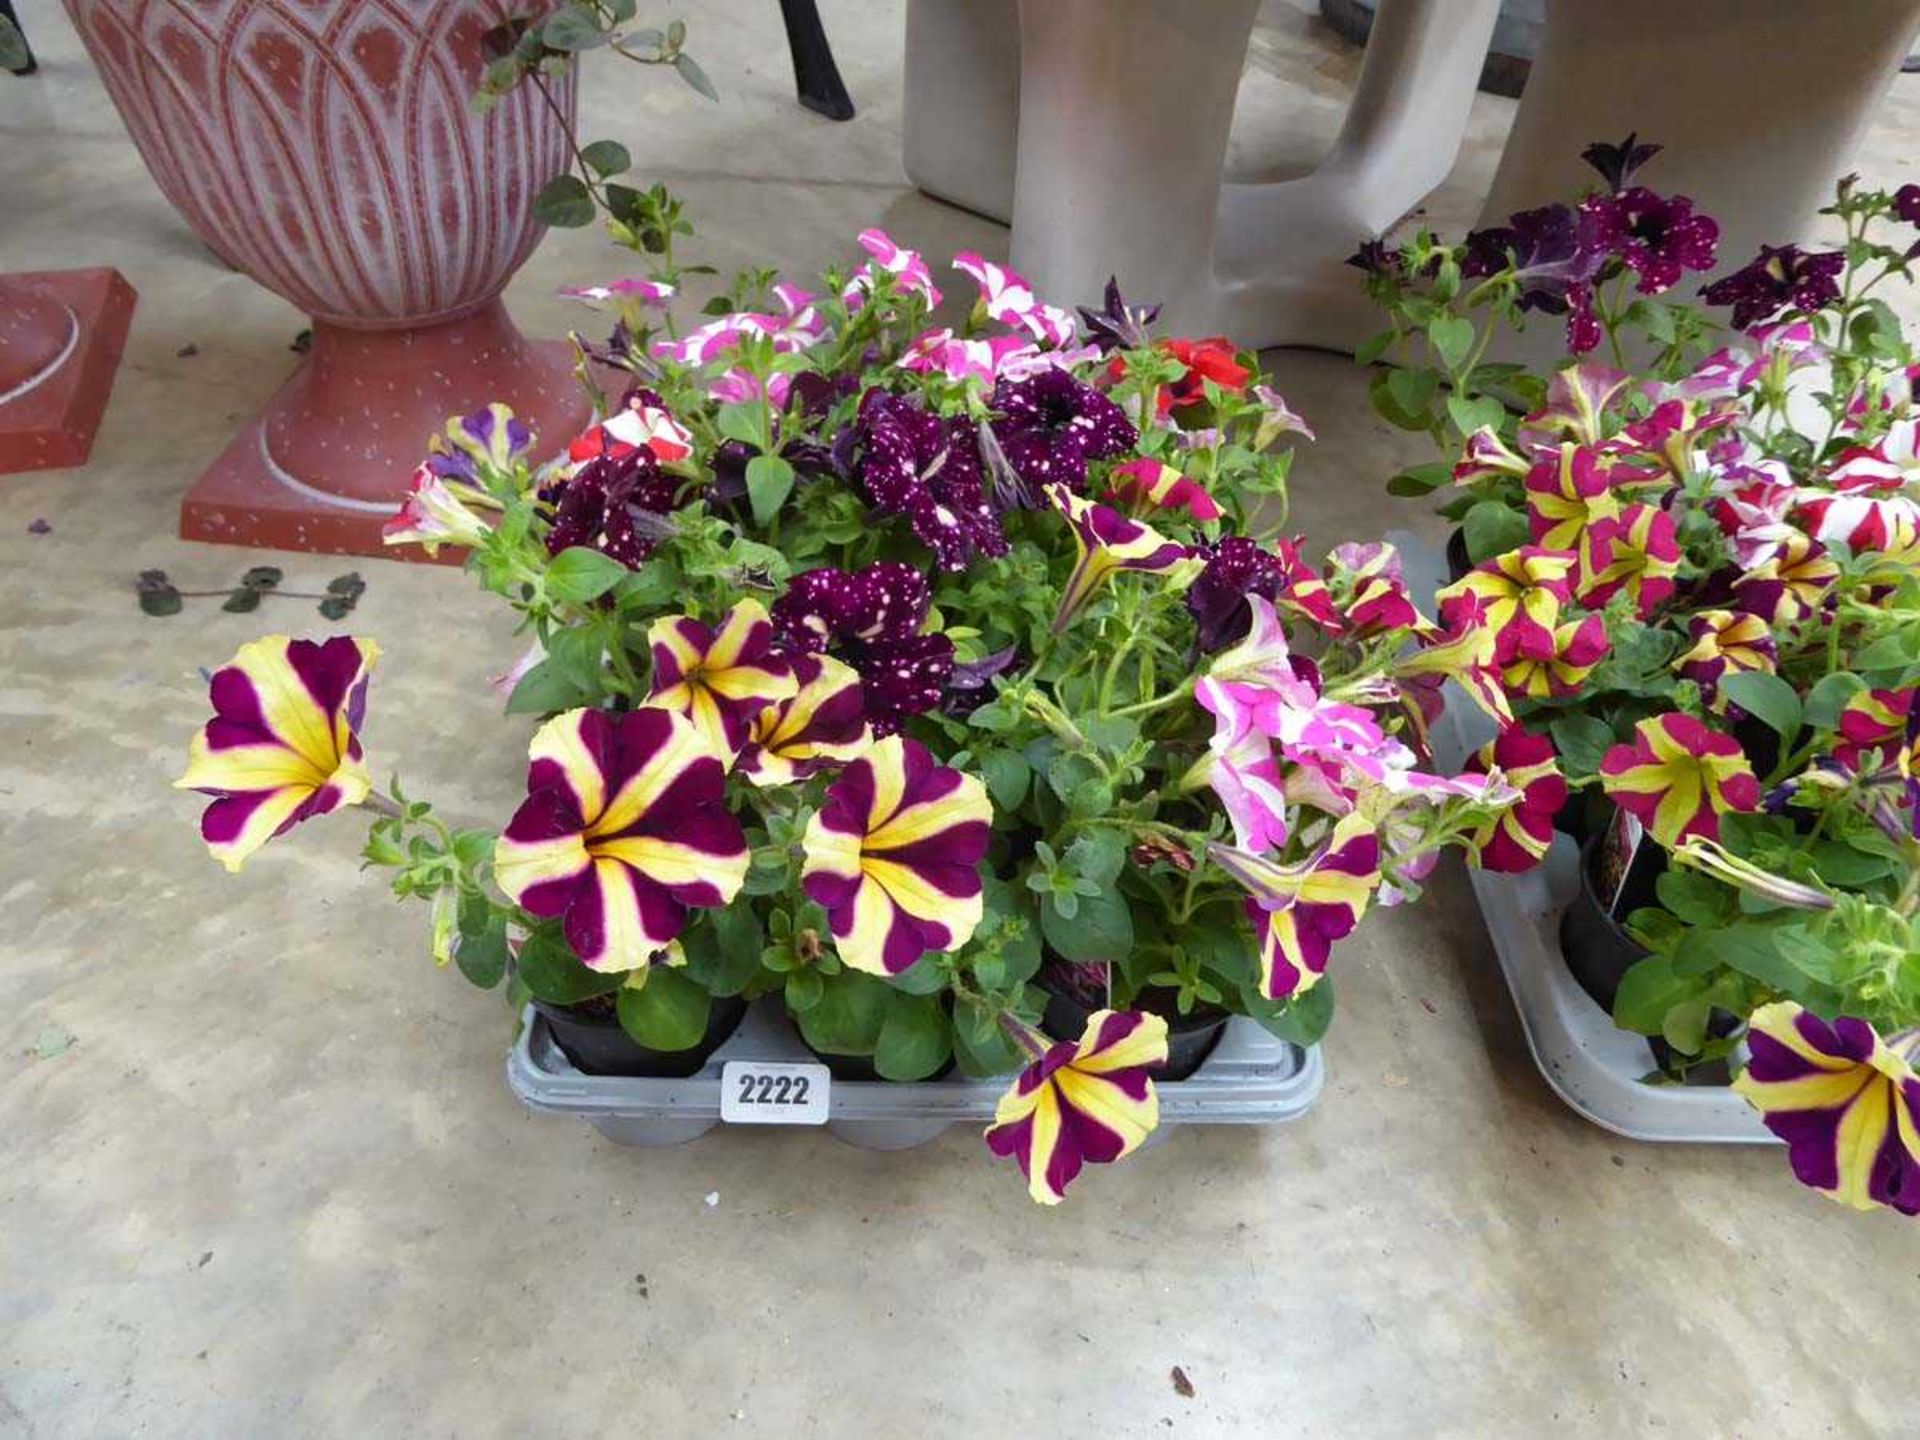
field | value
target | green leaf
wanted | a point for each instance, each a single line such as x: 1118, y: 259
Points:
x: 804, y: 989
x: 263, y: 577
x: 1098, y: 855
x: 1648, y: 991
x: 926, y: 976
x: 1302, y: 1020
x: 1006, y: 774
x: 742, y: 422
x: 241, y: 600
x: 553, y: 973
x: 1482, y: 412
x: 1582, y: 740
x: 694, y: 75
x: 573, y: 28
x: 1411, y: 393
x: 665, y: 1012
x: 1418, y: 480
x: 769, y: 482
x: 546, y: 690
x: 1493, y: 528
x: 980, y: 1046
x: 1452, y: 338
x: 1100, y: 929
x: 848, y: 1017
x: 482, y: 958
x: 607, y: 157
x: 579, y: 574
x: 914, y: 1039
x: 1373, y: 347
x: 564, y: 202
x: 1767, y: 698
x: 739, y: 942
x: 1829, y: 697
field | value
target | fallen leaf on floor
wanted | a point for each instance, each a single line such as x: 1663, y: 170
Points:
x: 40, y: 525
x: 186, y: 352
x: 1428, y: 1006
x: 205, y: 1256
x: 1395, y: 1082
x: 52, y: 1041
x: 302, y: 343
x: 713, y: 1198
x: 1182, y: 1386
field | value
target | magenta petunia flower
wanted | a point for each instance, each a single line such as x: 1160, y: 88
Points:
x: 283, y: 745
x: 1568, y: 495
x: 871, y: 618
x: 1052, y: 425
x: 1300, y: 910
x: 1638, y: 553
x: 1555, y: 253
x: 623, y: 830
x: 1372, y: 590
x: 1157, y: 485
x: 1725, y: 642
x: 1679, y: 777
x: 1873, y: 728
x: 1790, y: 583
x: 1517, y: 838
x: 1089, y: 1101
x: 617, y: 505
x: 927, y: 467
x: 893, y: 857
x: 1578, y: 646
x: 1517, y: 596
x: 908, y: 269
x: 1107, y: 542
x: 1846, y: 1103
x: 720, y: 679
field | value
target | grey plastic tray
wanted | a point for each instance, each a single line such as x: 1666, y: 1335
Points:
x: 1598, y: 1069
x: 1251, y: 1078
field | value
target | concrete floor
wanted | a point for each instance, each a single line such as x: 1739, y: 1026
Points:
x: 262, y: 1177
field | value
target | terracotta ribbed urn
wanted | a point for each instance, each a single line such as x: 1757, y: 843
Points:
x: 329, y: 149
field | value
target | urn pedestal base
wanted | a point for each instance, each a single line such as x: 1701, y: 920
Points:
x: 61, y: 334
x: 328, y: 461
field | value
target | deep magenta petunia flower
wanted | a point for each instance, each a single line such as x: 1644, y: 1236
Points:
x: 1089, y: 1101
x: 1237, y: 568
x: 283, y: 745
x: 1578, y: 646
x: 1052, y: 425
x: 1679, y: 777
x: 871, y: 618
x: 1517, y: 596
x: 1725, y: 642
x: 616, y: 504
x: 893, y: 856
x: 623, y: 830
x: 1846, y: 1103
x: 1517, y: 838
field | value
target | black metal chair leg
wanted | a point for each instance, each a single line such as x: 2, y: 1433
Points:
x: 6, y: 9
x: 814, y: 73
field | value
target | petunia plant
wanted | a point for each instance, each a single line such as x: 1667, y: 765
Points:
x: 950, y: 681
x: 1700, y: 569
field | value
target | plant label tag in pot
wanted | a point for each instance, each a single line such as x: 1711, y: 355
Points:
x: 1618, y: 851
x: 771, y: 1092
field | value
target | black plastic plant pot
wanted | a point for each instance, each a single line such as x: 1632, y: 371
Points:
x: 1190, y: 1037
x: 589, y: 1034
x: 1597, y: 947
x: 1459, y: 562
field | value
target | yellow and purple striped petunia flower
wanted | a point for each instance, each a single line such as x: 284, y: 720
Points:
x: 1464, y: 655
x: 823, y: 723
x: 1846, y: 1103
x: 624, y: 829
x: 719, y: 679
x: 1725, y: 642
x: 1874, y: 728
x: 1517, y: 596
x: 1299, y: 910
x: 1790, y: 583
x: 1107, y: 541
x: 1679, y: 777
x: 892, y: 856
x: 283, y: 744
x: 1089, y: 1101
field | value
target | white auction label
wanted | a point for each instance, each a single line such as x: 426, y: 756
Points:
x: 773, y: 1092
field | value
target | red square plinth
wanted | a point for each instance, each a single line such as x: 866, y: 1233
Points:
x: 53, y: 422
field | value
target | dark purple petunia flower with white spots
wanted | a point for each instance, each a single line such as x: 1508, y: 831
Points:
x: 1553, y: 250
x: 616, y: 505
x: 1658, y: 237
x: 1779, y: 276
x: 1118, y: 325
x: 871, y: 618
x: 1053, y: 425
x: 1617, y: 163
x: 927, y: 467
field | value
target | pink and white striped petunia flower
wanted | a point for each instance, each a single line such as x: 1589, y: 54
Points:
x: 1008, y: 298
x: 634, y: 289
x: 893, y: 857
x: 283, y: 744
x: 624, y: 829
x: 908, y: 269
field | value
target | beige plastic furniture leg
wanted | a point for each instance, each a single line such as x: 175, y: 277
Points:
x: 1124, y: 108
